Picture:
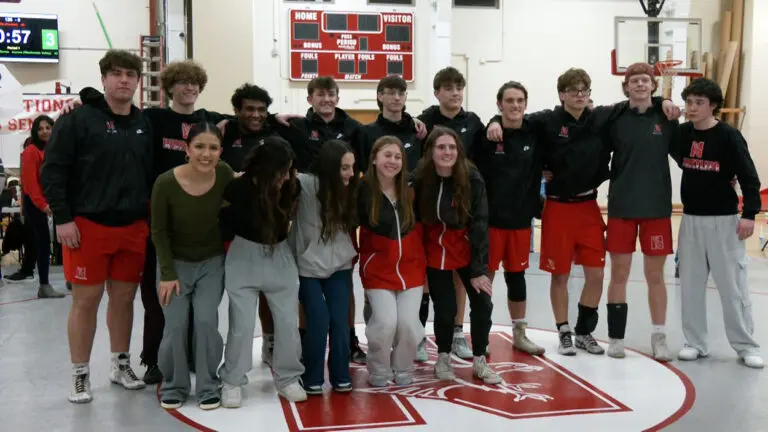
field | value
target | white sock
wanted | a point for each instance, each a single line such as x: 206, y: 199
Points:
x: 659, y: 329
x: 80, y: 369
x: 116, y: 356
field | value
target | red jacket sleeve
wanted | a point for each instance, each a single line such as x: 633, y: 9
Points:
x: 30, y: 177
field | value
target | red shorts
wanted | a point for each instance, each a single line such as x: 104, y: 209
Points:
x: 571, y: 232
x: 510, y: 246
x: 655, y: 236
x: 106, y: 253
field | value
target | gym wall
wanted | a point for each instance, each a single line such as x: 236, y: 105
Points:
x: 81, y: 40
x: 754, y: 86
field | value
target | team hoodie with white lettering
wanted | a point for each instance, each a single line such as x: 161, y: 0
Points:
x: 404, y: 130
x: 99, y: 165
x: 709, y: 160
x: 391, y: 257
x: 316, y: 258
x: 449, y: 243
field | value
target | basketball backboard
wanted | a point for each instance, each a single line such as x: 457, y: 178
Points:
x: 650, y: 40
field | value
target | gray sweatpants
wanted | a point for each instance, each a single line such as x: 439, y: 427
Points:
x: 252, y: 268
x: 201, y: 285
x: 393, y: 331
x: 711, y: 244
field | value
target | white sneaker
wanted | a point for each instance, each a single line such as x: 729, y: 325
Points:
x: 566, y: 342
x: 753, y: 361
x: 231, y: 396
x: 293, y: 392
x: 81, y: 389
x: 689, y: 354
x: 444, y: 367
x: 421, y: 352
x: 616, y: 349
x: 460, y: 346
x: 481, y: 370
x: 121, y: 373
x: 660, y: 348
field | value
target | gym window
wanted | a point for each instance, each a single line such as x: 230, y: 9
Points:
x: 391, y: 2
x: 477, y: 3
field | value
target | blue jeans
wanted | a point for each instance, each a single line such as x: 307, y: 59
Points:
x: 326, y: 307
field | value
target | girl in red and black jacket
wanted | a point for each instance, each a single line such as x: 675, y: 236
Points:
x: 36, y: 209
x: 392, y: 264
x: 452, y: 205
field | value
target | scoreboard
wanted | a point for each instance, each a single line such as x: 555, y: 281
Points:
x: 350, y: 46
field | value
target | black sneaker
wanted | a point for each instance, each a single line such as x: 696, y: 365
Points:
x: 152, y: 375
x: 210, y: 403
x: 20, y: 276
x: 170, y: 403
x: 343, y: 387
x: 356, y: 354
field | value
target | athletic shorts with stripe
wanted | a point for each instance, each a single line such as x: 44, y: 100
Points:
x: 655, y: 236
x: 509, y: 246
x: 571, y: 232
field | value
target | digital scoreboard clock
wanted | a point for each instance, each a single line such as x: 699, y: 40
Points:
x: 32, y: 38
x: 350, y: 46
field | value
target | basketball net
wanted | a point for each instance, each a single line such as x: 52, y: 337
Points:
x: 666, y: 69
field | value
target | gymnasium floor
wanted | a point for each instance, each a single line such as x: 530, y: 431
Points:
x: 587, y: 392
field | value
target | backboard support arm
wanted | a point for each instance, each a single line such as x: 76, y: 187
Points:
x: 652, y: 9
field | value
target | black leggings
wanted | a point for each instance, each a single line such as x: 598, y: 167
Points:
x: 39, y: 240
x: 443, y: 294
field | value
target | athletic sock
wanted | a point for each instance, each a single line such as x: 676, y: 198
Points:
x: 586, y: 321
x: 560, y: 326
x: 659, y: 328
x: 617, y: 320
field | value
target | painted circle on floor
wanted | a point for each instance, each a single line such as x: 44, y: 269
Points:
x: 549, y: 393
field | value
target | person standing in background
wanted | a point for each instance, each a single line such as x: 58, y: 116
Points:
x: 36, y: 211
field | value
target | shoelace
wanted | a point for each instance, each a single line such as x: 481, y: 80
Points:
x: 589, y: 340
x: 80, y: 382
x: 127, y: 370
x: 565, y: 340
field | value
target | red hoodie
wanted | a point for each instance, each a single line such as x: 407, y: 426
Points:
x: 31, y: 161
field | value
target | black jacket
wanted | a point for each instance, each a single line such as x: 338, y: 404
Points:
x: 512, y: 174
x: 307, y: 134
x: 99, y: 165
x: 451, y: 244
x: 404, y: 130
x: 467, y: 124
x: 236, y: 144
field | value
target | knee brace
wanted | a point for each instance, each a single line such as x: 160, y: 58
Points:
x: 515, y: 286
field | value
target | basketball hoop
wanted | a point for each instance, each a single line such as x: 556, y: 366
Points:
x: 666, y: 68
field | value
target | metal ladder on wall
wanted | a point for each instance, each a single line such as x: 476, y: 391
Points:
x: 152, y: 51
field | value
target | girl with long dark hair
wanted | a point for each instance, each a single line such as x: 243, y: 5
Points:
x: 36, y: 211
x: 258, y: 207
x: 321, y: 238
x: 392, y: 264
x: 186, y: 203
x: 452, y: 205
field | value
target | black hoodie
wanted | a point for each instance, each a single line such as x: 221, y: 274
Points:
x: 467, y: 124
x: 237, y: 144
x: 307, y: 134
x: 98, y: 165
x: 404, y: 130
x: 512, y: 173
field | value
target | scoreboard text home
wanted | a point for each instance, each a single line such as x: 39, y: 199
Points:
x: 351, y: 46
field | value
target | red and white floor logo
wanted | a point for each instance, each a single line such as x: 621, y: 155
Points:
x: 548, y: 392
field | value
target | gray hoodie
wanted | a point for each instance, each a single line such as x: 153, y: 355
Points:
x: 315, y: 258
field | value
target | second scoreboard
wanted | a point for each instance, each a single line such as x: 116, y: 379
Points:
x: 350, y: 46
